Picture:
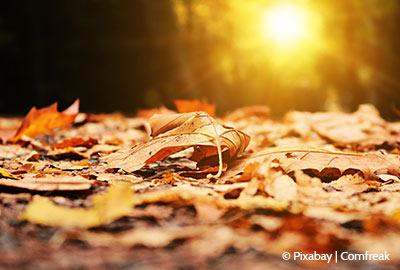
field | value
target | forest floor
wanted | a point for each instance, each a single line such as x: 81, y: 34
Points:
x: 85, y: 191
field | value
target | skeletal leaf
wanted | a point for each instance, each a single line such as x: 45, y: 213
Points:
x: 116, y: 202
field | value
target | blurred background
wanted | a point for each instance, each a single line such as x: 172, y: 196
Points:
x: 121, y: 55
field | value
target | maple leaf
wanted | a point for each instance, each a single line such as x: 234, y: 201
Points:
x: 43, y: 121
x: 176, y: 132
x: 186, y: 106
x: 116, y: 202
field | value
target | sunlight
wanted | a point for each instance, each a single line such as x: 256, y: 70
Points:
x: 286, y: 25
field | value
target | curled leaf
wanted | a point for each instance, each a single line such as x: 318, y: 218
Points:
x: 176, y: 132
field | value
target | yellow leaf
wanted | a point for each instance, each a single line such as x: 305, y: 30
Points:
x: 6, y: 174
x: 107, y: 207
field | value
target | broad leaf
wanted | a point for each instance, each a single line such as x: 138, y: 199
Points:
x: 43, y: 121
x: 116, y: 202
x: 175, y: 132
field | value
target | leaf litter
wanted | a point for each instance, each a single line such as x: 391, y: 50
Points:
x: 171, y: 185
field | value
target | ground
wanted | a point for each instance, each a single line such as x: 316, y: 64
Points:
x: 84, y: 195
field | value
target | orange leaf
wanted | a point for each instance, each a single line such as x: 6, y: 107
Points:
x: 43, y: 121
x: 184, y: 106
x: 147, y: 113
x: 75, y: 142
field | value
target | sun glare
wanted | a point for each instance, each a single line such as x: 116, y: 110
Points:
x: 286, y: 25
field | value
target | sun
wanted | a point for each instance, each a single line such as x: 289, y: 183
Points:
x: 286, y: 25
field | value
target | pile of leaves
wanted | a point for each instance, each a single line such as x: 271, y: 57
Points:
x: 183, y: 188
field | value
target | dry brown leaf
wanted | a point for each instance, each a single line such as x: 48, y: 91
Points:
x: 116, y: 202
x: 176, y: 132
x: 326, y: 163
x: 95, y: 118
x: 8, y: 127
x: 48, y: 182
x: 43, y: 121
x: 186, y: 106
x: 283, y: 188
x: 245, y: 113
x: 149, y: 237
x: 191, y: 194
x: 147, y: 113
x: 365, y: 126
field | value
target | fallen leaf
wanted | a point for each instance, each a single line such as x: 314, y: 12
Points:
x: 365, y: 126
x: 8, y: 127
x: 330, y: 214
x: 262, y: 112
x: 185, y: 193
x: 149, y: 237
x: 27, y: 167
x: 6, y: 174
x: 43, y: 121
x: 326, y: 163
x: 75, y: 142
x: 48, y: 182
x: 176, y: 132
x: 148, y: 113
x: 284, y: 189
x: 116, y: 202
x: 95, y: 118
x: 186, y: 106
